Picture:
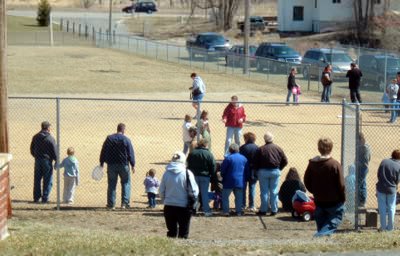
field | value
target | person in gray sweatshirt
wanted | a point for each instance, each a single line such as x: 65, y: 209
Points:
x: 71, y: 175
x: 174, y: 192
x: 386, y: 188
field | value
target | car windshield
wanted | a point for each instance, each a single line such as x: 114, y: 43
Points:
x: 252, y: 49
x: 284, y: 50
x: 338, y: 57
x: 214, y: 39
x: 392, y: 63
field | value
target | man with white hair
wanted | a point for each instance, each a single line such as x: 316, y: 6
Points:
x: 269, y: 161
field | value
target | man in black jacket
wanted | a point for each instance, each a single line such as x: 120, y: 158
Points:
x: 354, y: 75
x: 291, y: 84
x: 43, y: 149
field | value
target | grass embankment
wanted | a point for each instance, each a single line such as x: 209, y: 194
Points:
x: 25, y: 24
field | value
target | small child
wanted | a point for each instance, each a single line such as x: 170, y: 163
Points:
x: 204, y: 127
x: 151, y: 184
x: 392, y: 90
x: 71, y: 175
x: 185, y: 133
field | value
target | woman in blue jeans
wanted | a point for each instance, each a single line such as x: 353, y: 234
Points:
x: 269, y: 161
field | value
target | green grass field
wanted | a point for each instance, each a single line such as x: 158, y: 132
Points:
x: 25, y: 24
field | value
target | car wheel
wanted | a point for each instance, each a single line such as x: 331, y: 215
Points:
x: 259, y: 66
x: 307, y: 216
x: 149, y: 11
x: 306, y: 74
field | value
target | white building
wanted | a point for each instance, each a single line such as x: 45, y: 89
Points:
x: 320, y: 15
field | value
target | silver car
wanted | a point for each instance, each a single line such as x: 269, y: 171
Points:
x: 318, y: 58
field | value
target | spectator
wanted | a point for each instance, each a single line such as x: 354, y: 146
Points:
x: 151, y: 185
x: 364, y: 158
x: 43, y: 149
x: 392, y: 90
x: 292, y: 85
x: 232, y: 172
x: 201, y: 162
x: 187, y: 139
x: 398, y: 92
x: 388, y: 179
x: 289, y: 187
x: 324, y: 179
x: 233, y: 117
x: 204, y: 127
x: 269, y: 161
x: 192, y: 135
x: 198, y: 90
x: 117, y: 152
x: 326, y: 80
x: 174, y: 193
x: 71, y: 175
x: 249, y: 150
x: 354, y: 75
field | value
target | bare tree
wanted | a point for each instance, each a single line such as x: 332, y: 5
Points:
x: 364, y: 14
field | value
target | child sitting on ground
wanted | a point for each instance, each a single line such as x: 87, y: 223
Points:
x: 216, y: 187
x: 151, y: 184
x: 71, y: 175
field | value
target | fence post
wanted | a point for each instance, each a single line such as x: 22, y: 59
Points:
x: 61, y: 24
x: 308, y: 78
x: 67, y: 26
x: 94, y: 34
x: 79, y: 29
x: 137, y: 45
x: 114, y: 37
x: 156, y: 50
x: 179, y: 54
x: 167, y: 52
x: 86, y: 31
x: 145, y: 47
x: 129, y: 43
x: 73, y: 28
x: 198, y: 114
x: 58, y: 152
x: 357, y: 188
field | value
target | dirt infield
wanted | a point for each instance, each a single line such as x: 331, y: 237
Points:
x: 154, y: 127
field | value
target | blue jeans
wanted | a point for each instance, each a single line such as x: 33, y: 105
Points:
x: 326, y: 93
x: 328, y: 219
x: 186, y: 146
x: 289, y: 93
x: 386, y: 207
x: 393, y: 113
x: 152, y: 199
x: 232, y: 131
x: 43, y: 170
x: 362, y: 185
x: 113, y: 171
x: 238, y: 193
x: 204, y: 182
x: 252, y: 193
x: 269, y: 180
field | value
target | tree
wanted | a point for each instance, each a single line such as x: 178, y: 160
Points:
x: 87, y: 3
x: 43, y: 14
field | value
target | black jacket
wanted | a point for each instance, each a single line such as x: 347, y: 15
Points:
x: 43, y: 145
x: 291, y: 82
x: 117, y: 149
x: 354, y: 76
x: 270, y: 156
x: 287, y: 191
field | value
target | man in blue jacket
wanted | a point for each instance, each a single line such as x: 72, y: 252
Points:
x: 232, y: 172
x: 118, y: 153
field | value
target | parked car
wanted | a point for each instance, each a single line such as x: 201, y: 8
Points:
x: 279, y: 53
x: 318, y: 58
x: 129, y: 9
x: 141, y: 6
x: 235, y: 56
x: 256, y: 24
x: 373, y: 68
x: 210, y: 44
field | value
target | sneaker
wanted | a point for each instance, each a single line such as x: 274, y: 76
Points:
x: 208, y: 214
x: 125, y: 206
x: 273, y: 213
x: 239, y: 214
x: 110, y: 208
x: 261, y: 213
x: 252, y: 209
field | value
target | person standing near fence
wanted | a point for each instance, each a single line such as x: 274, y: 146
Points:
x: 71, y: 175
x: 202, y: 163
x: 324, y: 179
x: 354, y: 75
x: 233, y: 117
x: 292, y: 86
x: 326, y: 80
x: 117, y: 152
x: 364, y: 157
x: 386, y: 188
x: 392, y: 90
x: 43, y: 149
x: 198, y: 90
x: 249, y: 150
x: 270, y: 160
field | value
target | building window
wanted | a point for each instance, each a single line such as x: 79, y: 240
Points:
x: 336, y: 1
x: 298, y: 13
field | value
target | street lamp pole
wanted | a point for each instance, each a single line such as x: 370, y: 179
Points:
x: 246, y: 36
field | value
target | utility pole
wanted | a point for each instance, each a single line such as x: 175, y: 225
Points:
x: 4, y: 147
x: 110, y: 23
x: 246, y: 36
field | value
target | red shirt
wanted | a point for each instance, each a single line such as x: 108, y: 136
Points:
x: 232, y: 115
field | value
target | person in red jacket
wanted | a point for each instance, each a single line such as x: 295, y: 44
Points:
x: 233, y: 117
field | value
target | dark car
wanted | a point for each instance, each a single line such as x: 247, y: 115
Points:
x: 256, y: 24
x: 235, y: 56
x: 146, y: 6
x: 129, y: 9
x: 316, y: 60
x: 276, y: 57
x: 373, y: 68
x: 210, y: 44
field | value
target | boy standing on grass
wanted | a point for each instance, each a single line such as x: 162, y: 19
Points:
x: 151, y: 184
x: 71, y: 175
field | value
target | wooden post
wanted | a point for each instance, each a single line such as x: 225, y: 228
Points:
x: 51, y: 35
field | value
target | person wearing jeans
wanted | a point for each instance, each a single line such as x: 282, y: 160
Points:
x: 249, y: 150
x: 232, y: 172
x: 43, y: 149
x: 269, y: 161
x: 234, y: 116
x: 326, y: 81
x: 392, y: 90
x: 291, y: 85
x: 386, y: 188
x: 202, y: 163
x: 117, y: 152
x: 324, y: 179
x: 354, y: 75
x: 364, y: 157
